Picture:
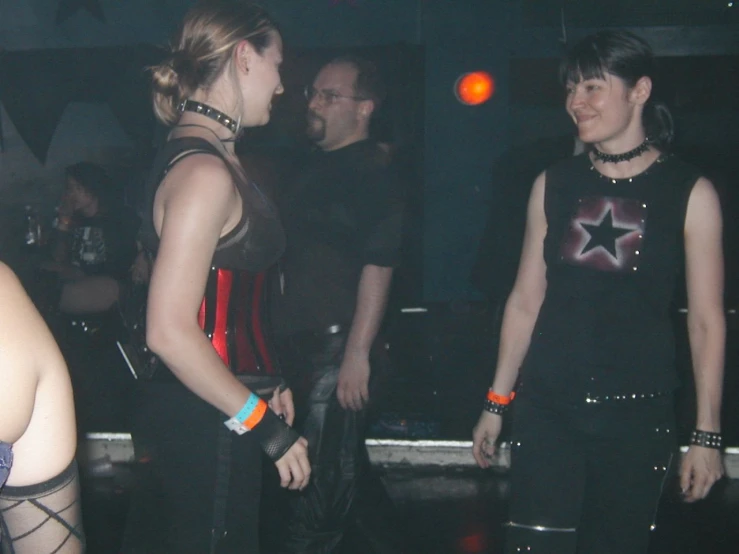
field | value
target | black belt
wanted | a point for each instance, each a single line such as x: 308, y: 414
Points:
x: 329, y: 330
x: 312, y: 339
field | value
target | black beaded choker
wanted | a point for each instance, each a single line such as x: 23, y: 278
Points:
x: 204, y: 109
x: 625, y: 157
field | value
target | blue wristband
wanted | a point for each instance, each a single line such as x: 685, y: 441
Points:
x: 249, y: 407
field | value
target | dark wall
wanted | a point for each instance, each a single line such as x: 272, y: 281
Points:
x: 460, y: 145
x: 456, y: 144
x: 461, y: 141
x: 463, y: 145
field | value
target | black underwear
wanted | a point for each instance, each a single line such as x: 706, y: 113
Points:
x: 6, y: 462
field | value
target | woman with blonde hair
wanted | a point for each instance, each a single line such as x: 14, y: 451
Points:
x: 202, y: 422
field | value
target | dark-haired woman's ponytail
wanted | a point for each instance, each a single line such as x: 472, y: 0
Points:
x: 659, y: 125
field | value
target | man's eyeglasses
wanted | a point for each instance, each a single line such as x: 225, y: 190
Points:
x: 328, y: 97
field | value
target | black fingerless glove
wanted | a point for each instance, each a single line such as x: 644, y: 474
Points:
x: 274, y: 435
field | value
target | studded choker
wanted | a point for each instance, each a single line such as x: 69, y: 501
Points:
x: 625, y: 157
x: 204, y: 109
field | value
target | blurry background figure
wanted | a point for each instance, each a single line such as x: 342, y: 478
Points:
x: 89, y: 272
x: 96, y: 242
x: 39, y: 502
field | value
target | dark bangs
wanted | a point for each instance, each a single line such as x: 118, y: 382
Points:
x: 618, y: 53
x: 581, y: 63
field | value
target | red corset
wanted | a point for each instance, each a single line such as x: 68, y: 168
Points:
x: 234, y: 316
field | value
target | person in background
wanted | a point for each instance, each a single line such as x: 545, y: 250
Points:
x: 343, y: 215
x: 39, y: 484
x: 587, y: 331
x: 91, y: 256
x: 96, y: 243
x: 206, y: 417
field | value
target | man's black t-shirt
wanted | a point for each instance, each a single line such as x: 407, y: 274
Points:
x: 343, y: 212
x: 105, y: 244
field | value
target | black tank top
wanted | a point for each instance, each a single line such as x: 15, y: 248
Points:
x: 614, y: 251
x: 256, y: 242
x: 233, y: 311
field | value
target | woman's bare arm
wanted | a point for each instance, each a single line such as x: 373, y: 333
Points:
x: 704, y: 269
x: 193, y: 208
x: 524, y: 302
x: 519, y: 318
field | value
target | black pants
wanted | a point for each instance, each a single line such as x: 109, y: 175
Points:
x: 182, y: 447
x: 101, y: 380
x: 588, y: 478
x: 338, y: 496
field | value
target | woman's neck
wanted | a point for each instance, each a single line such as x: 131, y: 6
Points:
x: 626, y: 169
x: 197, y: 125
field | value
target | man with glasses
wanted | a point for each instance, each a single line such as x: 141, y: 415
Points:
x: 342, y: 215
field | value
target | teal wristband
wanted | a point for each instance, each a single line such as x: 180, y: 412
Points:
x: 248, y: 409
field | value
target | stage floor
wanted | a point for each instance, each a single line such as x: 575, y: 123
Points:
x: 442, y: 359
x: 443, y: 511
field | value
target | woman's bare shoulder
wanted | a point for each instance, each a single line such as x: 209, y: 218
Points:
x: 18, y: 373
x: 199, y: 176
x: 25, y: 339
x: 18, y: 312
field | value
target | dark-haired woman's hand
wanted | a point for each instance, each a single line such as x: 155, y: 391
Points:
x: 701, y: 468
x: 484, y: 436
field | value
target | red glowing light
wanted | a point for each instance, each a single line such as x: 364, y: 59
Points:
x: 474, y: 543
x: 474, y: 88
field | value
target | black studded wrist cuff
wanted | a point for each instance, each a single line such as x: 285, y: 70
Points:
x: 707, y: 439
x: 495, y: 408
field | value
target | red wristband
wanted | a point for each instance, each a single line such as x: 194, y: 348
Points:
x: 499, y: 398
x: 256, y: 416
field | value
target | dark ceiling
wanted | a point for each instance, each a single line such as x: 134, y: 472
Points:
x: 629, y: 13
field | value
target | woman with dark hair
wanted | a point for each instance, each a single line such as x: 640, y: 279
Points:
x: 587, y: 331
x: 95, y: 243
x: 92, y: 250
x: 204, y: 421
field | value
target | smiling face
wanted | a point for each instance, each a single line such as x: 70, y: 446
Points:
x: 607, y: 112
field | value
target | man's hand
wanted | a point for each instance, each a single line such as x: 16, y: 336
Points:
x: 352, y: 388
x: 701, y: 468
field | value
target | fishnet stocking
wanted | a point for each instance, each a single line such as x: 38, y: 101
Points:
x: 44, y: 518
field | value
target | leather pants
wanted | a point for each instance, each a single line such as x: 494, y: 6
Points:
x: 340, y: 469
